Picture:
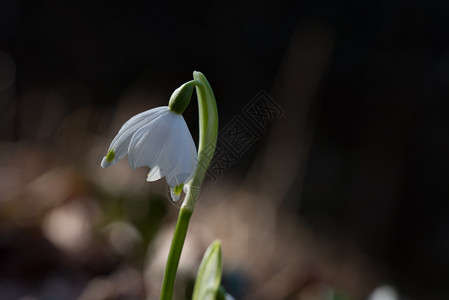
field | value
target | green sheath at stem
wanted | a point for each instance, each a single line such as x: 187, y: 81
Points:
x: 208, y: 118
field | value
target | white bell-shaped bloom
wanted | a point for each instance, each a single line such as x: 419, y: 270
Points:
x: 160, y: 139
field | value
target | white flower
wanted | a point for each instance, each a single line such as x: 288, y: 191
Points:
x: 160, y: 139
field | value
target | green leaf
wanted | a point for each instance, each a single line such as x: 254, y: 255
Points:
x: 209, y: 274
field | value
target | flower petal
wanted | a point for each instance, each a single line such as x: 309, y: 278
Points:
x: 175, y: 192
x: 120, y: 143
x: 175, y: 197
x: 186, y: 165
x: 159, y: 144
x: 154, y: 174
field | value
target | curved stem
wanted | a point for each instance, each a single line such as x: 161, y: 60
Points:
x: 208, y: 118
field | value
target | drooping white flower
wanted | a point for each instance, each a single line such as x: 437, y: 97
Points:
x: 160, y: 139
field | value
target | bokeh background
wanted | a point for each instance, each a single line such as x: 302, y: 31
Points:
x: 346, y: 191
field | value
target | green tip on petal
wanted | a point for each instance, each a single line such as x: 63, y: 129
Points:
x: 110, y: 156
x: 178, y: 189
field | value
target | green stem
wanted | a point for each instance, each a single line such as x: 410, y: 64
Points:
x: 208, y: 118
x: 175, y: 253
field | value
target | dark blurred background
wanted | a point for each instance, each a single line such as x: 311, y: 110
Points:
x: 357, y: 163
